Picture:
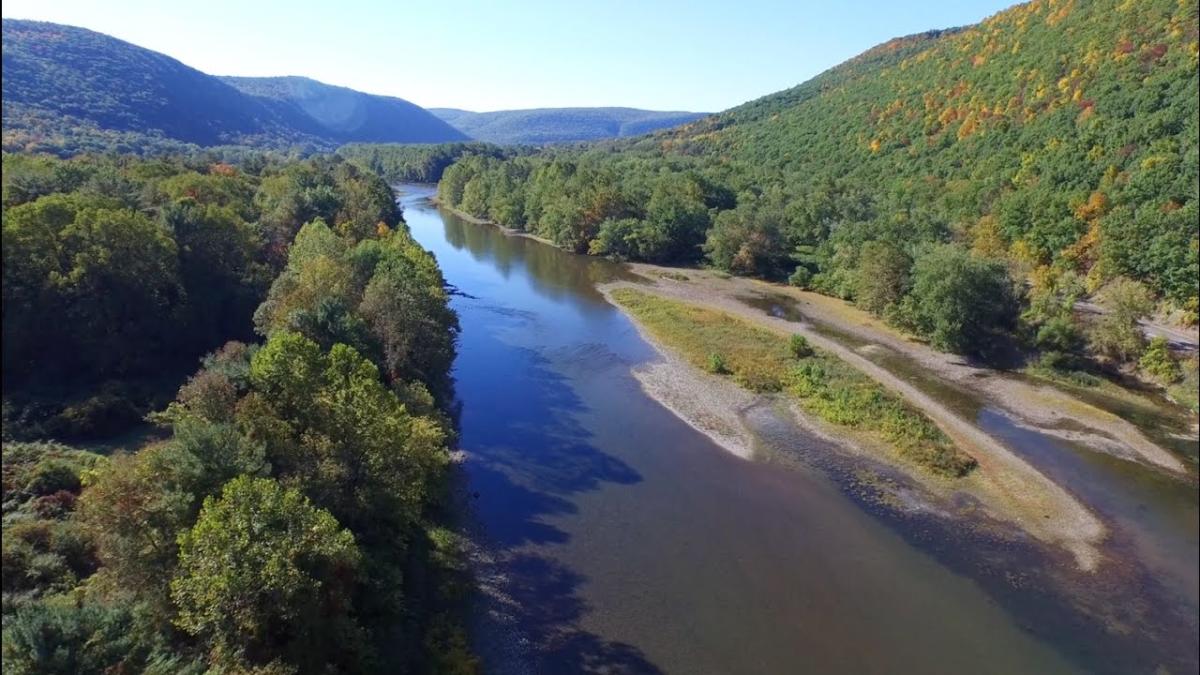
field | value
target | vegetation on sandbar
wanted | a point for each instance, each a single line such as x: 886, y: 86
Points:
x: 823, y: 385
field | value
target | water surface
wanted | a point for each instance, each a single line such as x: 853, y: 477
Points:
x: 621, y: 540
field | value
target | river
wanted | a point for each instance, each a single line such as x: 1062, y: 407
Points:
x: 614, y: 538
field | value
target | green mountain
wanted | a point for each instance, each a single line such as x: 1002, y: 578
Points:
x: 69, y: 89
x: 1057, y: 136
x: 346, y: 115
x: 542, y: 126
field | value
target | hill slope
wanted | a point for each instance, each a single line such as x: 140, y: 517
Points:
x: 69, y: 89
x: 1057, y: 135
x: 346, y: 115
x: 52, y: 70
x: 560, y: 125
x: 1053, y: 131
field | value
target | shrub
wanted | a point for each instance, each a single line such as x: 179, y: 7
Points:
x: 1060, y: 342
x: 62, y: 638
x: 758, y: 376
x: 963, y: 304
x: 52, y: 475
x: 798, y: 345
x: 1159, y: 363
x: 45, y: 556
x: 39, y: 469
x: 54, y: 506
x: 808, y: 379
x: 1059, y: 335
x: 105, y: 414
x: 801, y: 278
x: 1117, y: 335
x: 1056, y: 361
x: 716, y: 364
x: 882, y: 276
x: 1116, y: 339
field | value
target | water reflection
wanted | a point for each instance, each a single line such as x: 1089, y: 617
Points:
x: 556, y: 273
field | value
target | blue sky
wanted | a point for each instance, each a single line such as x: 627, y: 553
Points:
x: 667, y: 55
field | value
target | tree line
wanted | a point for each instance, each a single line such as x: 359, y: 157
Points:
x: 411, y: 163
x: 286, y: 521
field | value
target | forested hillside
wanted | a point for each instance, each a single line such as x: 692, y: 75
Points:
x: 541, y: 126
x: 346, y: 115
x: 1058, y: 138
x: 274, y: 525
x: 70, y: 90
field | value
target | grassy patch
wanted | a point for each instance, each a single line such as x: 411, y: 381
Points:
x: 674, y: 276
x: 1072, y: 378
x: 823, y: 385
x: 1110, y: 395
x: 1187, y: 391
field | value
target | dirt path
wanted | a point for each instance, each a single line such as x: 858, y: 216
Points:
x: 1009, y: 488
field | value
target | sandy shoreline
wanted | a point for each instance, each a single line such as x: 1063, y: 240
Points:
x: 708, y: 404
x: 1037, y: 406
x: 1009, y: 488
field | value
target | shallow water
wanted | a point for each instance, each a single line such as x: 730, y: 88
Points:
x: 621, y: 540
x: 1156, y: 514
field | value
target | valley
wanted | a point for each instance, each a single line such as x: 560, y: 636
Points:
x: 889, y: 365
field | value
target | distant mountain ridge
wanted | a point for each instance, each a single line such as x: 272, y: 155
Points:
x: 67, y: 87
x: 70, y: 89
x: 539, y: 126
x: 348, y: 115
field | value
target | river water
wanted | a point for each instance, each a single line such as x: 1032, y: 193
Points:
x: 614, y: 538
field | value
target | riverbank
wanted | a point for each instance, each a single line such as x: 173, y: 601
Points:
x: 709, y: 405
x: 1042, y: 406
x: 483, y: 221
x: 1008, y: 488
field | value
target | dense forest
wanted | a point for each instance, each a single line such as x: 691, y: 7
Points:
x: 1044, y: 154
x: 540, y: 126
x: 283, y: 520
x: 69, y: 90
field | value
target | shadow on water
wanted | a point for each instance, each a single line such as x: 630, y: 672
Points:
x: 528, y: 458
x: 550, y: 606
